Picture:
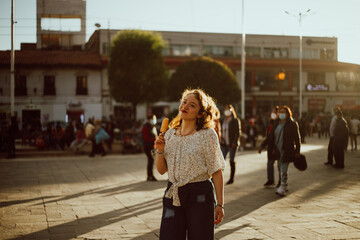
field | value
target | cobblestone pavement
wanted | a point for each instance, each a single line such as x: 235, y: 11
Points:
x: 76, y: 197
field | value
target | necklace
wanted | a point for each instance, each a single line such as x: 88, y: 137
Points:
x: 187, y: 133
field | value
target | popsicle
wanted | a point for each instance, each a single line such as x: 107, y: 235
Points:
x: 164, y: 125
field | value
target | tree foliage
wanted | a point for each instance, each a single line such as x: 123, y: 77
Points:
x: 214, y: 77
x: 137, y: 73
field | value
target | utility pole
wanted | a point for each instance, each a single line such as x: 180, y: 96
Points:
x: 12, y: 64
x: 243, y: 55
x: 301, y: 15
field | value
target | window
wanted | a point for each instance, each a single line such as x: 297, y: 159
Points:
x: 266, y: 81
x: 306, y: 54
x: 185, y: 50
x: 81, y: 85
x: 276, y: 53
x: 251, y: 52
x: 327, y: 54
x: 165, y: 51
x: 20, y: 85
x: 223, y: 51
x: 49, y: 85
x: 348, y: 81
x: 316, y: 78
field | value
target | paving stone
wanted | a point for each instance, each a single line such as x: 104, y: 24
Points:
x: 74, y: 197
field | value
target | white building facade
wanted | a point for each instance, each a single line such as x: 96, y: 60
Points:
x: 53, y: 85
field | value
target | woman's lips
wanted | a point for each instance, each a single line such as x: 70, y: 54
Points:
x: 183, y: 111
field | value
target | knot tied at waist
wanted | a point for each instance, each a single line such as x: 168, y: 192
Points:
x: 173, y: 190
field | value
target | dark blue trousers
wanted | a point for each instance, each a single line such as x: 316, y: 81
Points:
x: 195, y: 216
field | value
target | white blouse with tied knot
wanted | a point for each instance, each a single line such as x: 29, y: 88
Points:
x: 191, y: 158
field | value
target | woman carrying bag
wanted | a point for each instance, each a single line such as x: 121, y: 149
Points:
x: 190, y: 153
x: 284, y: 142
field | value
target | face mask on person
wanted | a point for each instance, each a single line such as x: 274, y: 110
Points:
x: 273, y: 116
x: 282, y: 116
x: 227, y: 113
x: 336, y: 117
x: 153, y: 121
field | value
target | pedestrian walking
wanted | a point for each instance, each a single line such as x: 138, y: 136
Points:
x: 190, y: 153
x: 149, y: 133
x: 252, y: 134
x: 284, y: 142
x: 13, y: 131
x: 80, y: 139
x: 100, y: 136
x: 341, y: 137
x: 230, y: 137
x: 355, y: 123
x: 271, y: 158
x: 331, y: 140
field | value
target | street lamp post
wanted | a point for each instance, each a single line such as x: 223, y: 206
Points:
x: 12, y: 64
x: 280, y: 77
x: 299, y: 17
x: 243, y: 64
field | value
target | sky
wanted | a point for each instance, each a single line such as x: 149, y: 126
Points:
x: 327, y: 18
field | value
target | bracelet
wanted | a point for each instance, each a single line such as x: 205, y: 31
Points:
x: 157, y: 152
x: 219, y: 205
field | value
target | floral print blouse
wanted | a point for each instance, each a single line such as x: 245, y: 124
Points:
x: 191, y: 158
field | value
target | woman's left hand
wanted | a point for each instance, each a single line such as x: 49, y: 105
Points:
x: 297, y: 155
x: 219, y: 214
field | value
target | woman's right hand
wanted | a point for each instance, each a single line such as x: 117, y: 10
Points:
x: 160, y: 142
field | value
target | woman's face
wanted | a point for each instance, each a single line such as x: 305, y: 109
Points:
x: 189, y: 107
x: 283, y: 112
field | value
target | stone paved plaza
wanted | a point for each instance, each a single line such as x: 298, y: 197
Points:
x: 65, y: 196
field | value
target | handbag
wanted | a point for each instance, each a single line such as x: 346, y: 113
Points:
x: 101, y: 136
x: 300, y: 162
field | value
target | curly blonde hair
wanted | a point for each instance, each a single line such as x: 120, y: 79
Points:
x: 208, y: 110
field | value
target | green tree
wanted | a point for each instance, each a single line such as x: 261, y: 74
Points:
x: 214, y: 77
x: 137, y: 73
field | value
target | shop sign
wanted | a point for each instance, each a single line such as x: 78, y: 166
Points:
x: 317, y: 88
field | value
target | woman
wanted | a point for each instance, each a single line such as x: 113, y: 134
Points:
x: 284, y: 142
x: 230, y: 137
x: 190, y: 153
x: 270, y: 157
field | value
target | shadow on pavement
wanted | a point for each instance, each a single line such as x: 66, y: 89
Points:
x: 10, y: 203
x: 82, y: 226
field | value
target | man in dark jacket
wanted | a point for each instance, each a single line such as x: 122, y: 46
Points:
x: 149, y: 134
x: 341, y: 136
